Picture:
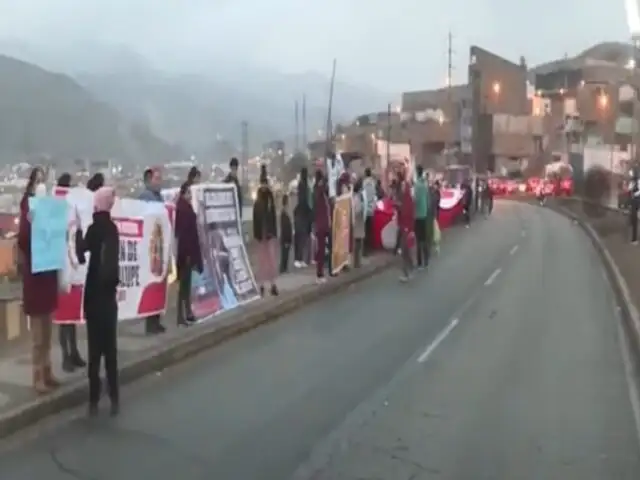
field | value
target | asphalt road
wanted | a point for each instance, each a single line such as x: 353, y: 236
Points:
x: 501, y: 362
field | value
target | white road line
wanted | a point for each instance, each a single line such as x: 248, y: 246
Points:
x: 493, y: 277
x: 513, y: 250
x: 438, y: 340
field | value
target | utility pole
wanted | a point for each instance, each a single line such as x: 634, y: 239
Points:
x: 450, y: 108
x: 305, y: 145
x: 329, y: 136
x: 297, y: 135
x: 388, y: 153
x: 245, y: 151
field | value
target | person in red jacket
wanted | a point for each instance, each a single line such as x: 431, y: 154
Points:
x: 39, y: 294
x: 188, y: 254
x: 406, y: 221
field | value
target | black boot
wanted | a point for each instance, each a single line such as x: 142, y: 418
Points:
x: 262, y: 290
x: 77, y: 360
x: 67, y: 364
x: 274, y: 290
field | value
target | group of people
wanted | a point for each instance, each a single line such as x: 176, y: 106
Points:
x: 100, y: 307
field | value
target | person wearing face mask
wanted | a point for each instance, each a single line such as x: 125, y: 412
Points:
x: 39, y: 292
x: 100, y: 302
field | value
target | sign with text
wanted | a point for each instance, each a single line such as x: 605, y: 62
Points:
x: 227, y: 280
x: 341, y: 233
x: 145, y: 236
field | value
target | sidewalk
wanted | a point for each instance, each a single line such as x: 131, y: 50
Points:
x: 140, y: 354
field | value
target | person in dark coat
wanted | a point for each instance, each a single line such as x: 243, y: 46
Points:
x: 67, y: 333
x: 100, y: 302
x: 265, y: 232
x: 322, y: 222
x: 39, y: 293
x: 95, y: 182
x: 286, y: 235
x: 303, y: 219
x: 232, y: 177
x: 189, y: 256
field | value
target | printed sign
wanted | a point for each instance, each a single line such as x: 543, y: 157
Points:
x: 145, y: 243
x: 227, y: 280
x: 341, y: 233
x: 48, y: 233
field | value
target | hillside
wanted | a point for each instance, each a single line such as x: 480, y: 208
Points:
x: 204, y: 100
x: 49, y: 114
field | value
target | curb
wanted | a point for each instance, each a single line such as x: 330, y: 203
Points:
x: 627, y: 309
x: 185, y: 345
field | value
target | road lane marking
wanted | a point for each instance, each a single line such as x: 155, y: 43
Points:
x: 513, y: 250
x: 493, y: 277
x: 438, y: 340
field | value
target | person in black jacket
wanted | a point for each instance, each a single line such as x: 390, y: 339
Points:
x: 232, y: 177
x: 303, y: 218
x: 265, y: 232
x: 100, y: 303
x: 67, y: 333
x: 286, y: 235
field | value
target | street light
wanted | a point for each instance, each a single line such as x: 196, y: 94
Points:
x: 496, y: 88
x: 603, y: 100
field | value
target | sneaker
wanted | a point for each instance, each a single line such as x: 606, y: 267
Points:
x: 403, y: 279
x: 303, y: 265
x: 321, y: 280
x: 297, y: 264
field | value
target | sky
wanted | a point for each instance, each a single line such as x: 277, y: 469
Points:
x: 394, y: 45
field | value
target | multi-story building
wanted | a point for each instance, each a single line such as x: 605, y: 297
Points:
x: 590, y: 99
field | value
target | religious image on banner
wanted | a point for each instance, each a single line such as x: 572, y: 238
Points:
x: 341, y: 233
x: 227, y: 280
x: 145, y: 236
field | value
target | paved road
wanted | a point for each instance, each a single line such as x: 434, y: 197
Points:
x: 502, y: 362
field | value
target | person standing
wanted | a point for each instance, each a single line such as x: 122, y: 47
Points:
x: 421, y: 193
x: 67, y: 333
x: 100, y: 302
x: 286, y: 235
x: 370, y: 195
x: 39, y: 293
x: 322, y: 222
x: 302, y: 217
x: 232, y: 177
x: 468, y: 203
x: 152, y: 184
x: 406, y: 223
x: 359, y: 222
x: 188, y: 253
x: 265, y: 232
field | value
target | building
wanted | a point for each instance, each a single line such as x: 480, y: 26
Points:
x: 590, y: 99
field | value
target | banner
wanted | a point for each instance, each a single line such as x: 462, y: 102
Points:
x: 170, y: 196
x: 341, y: 233
x: 227, y: 280
x: 145, y: 245
x: 49, y: 233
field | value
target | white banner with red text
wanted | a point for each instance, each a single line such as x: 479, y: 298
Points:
x: 145, y: 249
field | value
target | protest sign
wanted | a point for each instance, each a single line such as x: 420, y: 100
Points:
x: 341, y: 233
x: 170, y: 197
x: 227, y: 280
x: 48, y: 233
x: 145, y: 242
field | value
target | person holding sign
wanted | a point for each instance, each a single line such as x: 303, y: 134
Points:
x: 39, y: 293
x: 100, y: 302
x: 188, y: 254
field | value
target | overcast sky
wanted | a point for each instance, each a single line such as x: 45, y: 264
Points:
x: 394, y: 45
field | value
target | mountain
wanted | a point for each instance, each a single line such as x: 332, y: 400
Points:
x: 197, y: 107
x: 45, y: 114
